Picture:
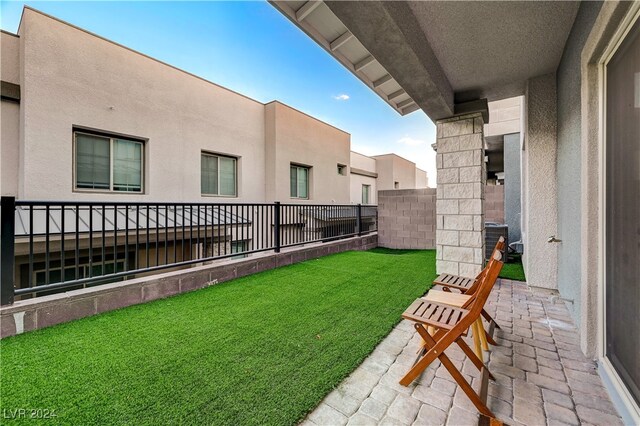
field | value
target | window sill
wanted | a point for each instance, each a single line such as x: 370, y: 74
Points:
x: 218, y: 196
x: 105, y: 191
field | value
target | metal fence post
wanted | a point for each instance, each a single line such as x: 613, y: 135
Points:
x: 359, y: 220
x: 276, y: 229
x: 7, y: 249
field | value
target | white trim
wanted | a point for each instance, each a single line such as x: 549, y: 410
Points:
x: 111, y: 138
x: 235, y: 178
x: 629, y: 411
x: 621, y: 394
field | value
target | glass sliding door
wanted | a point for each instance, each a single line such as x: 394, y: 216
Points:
x: 622, y: 227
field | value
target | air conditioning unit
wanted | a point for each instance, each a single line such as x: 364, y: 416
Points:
x: 492, y: 232
x: 517, y: 246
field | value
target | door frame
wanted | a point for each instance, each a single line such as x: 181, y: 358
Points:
x: 606, y: 368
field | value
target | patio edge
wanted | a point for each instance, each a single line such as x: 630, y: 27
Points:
x: 34, y: 314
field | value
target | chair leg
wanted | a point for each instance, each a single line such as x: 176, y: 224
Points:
x: 489, y: 338
x: 429, y: 356
x: 477, y: 345
x: 462, y: 382
x: 490, y: 319
x: 483, y: 335
x: 472, y: 356
x: 466, y: 387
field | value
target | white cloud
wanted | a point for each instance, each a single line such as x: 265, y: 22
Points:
x: 341, y: 97
x: 409, y: 141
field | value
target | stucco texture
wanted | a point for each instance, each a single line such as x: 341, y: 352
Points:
x: 73, y: 78
x: 293, y: 137
x: 393, y: 168
x: 9, y: 116
x: 512, y: 186
x: 540, y: 261
x: 569, y: 157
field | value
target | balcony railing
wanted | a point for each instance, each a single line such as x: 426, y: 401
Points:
x: 48, y: 246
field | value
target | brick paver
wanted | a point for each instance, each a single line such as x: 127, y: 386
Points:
x: 542, y: 377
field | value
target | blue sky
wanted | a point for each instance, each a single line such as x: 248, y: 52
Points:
x: 251, y: 48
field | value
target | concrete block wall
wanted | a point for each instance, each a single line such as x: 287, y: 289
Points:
x: 406, y: 218
x: 494, y: 203
x: 460, y: 195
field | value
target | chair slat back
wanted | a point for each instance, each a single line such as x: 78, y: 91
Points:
x: 500, y: 247
x: 484, y: 289
x: 479, y: 298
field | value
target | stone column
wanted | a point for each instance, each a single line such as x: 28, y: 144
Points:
x: 460, y: 195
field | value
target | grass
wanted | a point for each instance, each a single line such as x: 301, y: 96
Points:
x: 263, y: 349
x: 514, y: 270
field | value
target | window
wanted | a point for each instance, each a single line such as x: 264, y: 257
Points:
x: 239, y: 247
x: 365, y: 193
x: 108, y: 163
x: 342, y: 169
x: 218, y: 175
x: 299, y: 182
x: 396, y: 185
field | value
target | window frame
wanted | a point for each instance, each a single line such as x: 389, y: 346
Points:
x: 368, y: 187
x: 111, y: 137
x: 235, y: 174
x: 308, y: 169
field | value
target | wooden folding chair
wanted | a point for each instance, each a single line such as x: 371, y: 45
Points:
x: 450, y: 324
x: 465, y: 284
x: 469, y: 285
x: 481, y: 337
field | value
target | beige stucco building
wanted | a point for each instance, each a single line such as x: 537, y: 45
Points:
x: 84, y: 118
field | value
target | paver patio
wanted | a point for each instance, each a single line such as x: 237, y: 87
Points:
x: 542, y: 377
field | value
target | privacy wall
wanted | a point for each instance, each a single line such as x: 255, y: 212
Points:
x: 494, y: 203
x: 407, y: 218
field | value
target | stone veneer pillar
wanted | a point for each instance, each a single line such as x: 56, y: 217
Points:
x: 460, y: 195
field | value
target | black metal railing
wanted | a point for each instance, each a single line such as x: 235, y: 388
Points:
x: 49, y: 246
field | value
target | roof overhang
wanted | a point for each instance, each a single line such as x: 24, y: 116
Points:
x: 444, y: 57
x: 319, y: 22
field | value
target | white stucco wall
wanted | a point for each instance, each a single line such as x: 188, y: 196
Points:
x: 505, y: 117
x: 72, y: 78
x: 9, y: 115
x: 363, y: 164
x: 393, y: 168
x: 540, y: 183
x: 356, y: 188
x: 9, y: 135
x: 421, y: 178
x: 10, y: 58
x: 295, y: 137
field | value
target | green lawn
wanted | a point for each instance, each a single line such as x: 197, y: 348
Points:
x: 263, y: 349
x: 513, y: 270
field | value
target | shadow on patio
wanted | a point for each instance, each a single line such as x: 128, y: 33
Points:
x: 542, y: 377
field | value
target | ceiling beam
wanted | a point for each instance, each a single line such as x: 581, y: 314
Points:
x: 477, y: 106
x: 392, y: 34
x: 306, y: 9
x: 405, y: 103
x: 363, y: 63
x: 335, y: 44
x: 395, y: 94
x: 409, y: 109
x: 382, y: 80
